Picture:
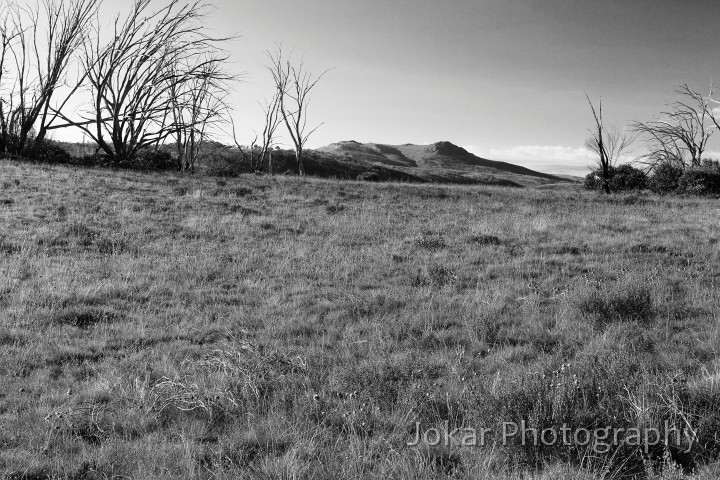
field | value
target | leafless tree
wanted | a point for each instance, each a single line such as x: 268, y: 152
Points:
x: 681, y: 134
x: 42, y: 41
x: 132, y: 77
x: 273, y: 117
x: 197, y: 105
x: 607, y: 143
x: 294, y: 85
x: 8, y: 34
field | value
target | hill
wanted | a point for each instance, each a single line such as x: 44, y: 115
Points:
x: 441, y: 162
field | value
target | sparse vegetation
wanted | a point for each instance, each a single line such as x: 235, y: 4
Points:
x: 165, y: 326
x: 225, y: 325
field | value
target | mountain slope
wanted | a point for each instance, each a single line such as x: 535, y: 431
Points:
x: 438, y: 162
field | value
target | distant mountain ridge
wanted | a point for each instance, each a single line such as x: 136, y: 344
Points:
x: 438, y: 162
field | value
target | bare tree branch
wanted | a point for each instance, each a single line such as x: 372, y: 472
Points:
x: 157, y: 78
x: 294, y: 86
x: 42, y: 42
x: 681, y: 134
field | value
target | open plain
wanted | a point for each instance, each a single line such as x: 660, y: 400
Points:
x: 160, y: 325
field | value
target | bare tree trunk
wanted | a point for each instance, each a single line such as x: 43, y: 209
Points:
x: 299, y: 158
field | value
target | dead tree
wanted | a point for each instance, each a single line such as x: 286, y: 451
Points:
x: 42, y: 42
x: 607, y: 143
x: 197, y: 106
x: 133, y: 75
x: 294, y: 85
x: 273, y: 117
x: 681, y: 134
x: 8, y: 34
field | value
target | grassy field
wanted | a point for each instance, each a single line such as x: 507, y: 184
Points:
x: 170, y: 326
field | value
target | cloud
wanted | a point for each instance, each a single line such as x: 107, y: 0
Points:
x: 544, y: 153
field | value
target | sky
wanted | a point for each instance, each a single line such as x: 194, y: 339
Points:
x: 505, y: 79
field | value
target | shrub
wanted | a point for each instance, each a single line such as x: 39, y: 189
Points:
x: 622, y: 178
x: 49, y: 152
x: 666, y: 178
x: 626, y: 177
x: 95, y: 160
x: 700, y: 181
x: 156, y: 160
x: 368, y: 176
x: 593, y: 180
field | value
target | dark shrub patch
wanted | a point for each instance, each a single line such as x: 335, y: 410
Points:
x: 239, y: 191
x: 665, y: 179
x: 626, y: 177
x: 244, y: 210
x: 485, y: 240
x: 153, y: 160
x: 368, y: 177
x: 8, y: 248
x: 622, y: 178
x: 334, y: 208
x: 49, y: 152
x: 700, y: 181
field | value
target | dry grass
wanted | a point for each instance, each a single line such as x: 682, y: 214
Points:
x: 167, y: 326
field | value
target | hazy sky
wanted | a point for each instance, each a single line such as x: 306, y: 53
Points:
x: 503, y: 78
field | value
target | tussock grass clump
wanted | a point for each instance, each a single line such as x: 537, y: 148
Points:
x: 85, y: 318
x: 7, y: 247
x: 434, y: 276
x: 113, y: 245
x: 244, y: 211
x: 619, y: 305
x: 430, y: 241
x: 334, y: 208
x: 485, y: 240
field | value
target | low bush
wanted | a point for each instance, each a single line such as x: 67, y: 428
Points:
x: 49, y: 152
x: 155, y: 160
x: 368, y: 176
x: 626, y: 177
x: 700, y: 181
x: 665, y: 179
x: 145, y: 160
x: 622, y: 178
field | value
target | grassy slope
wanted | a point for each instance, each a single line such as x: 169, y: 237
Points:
x: 161, y: 326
